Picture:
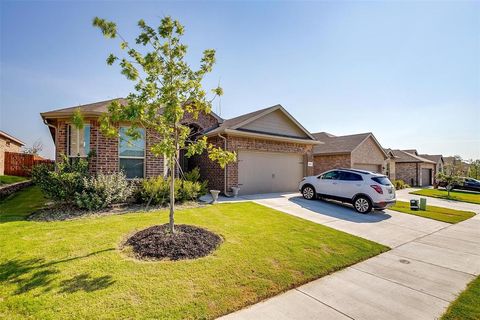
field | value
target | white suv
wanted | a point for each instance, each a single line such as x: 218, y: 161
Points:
x: 365, y: 190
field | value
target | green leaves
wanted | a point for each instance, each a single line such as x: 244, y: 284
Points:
x: 77, y: 119
x: 222, y: 157
x: 166, y: 88
x: 109, y: 29
x: 218, y: 91
x: 111, y: 59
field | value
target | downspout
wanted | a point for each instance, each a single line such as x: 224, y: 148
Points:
x: 225, y: 169
x: 56, y: 137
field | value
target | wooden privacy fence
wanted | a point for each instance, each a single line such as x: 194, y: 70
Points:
x: 21, y: 164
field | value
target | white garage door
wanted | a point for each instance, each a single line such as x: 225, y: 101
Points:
x: 264, y: 172
x: 368, y: 167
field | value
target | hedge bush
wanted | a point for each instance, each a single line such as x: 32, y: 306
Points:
x: 103, y: 190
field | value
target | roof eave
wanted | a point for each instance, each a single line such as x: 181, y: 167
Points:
x: 266, y: 136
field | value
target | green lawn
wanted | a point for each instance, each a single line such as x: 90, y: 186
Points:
x: 467, y: 305
x: 20, y: 204
x: 454, y: 195
x: 436, y: 213
x: 11, y: 179
x: 75, y: 269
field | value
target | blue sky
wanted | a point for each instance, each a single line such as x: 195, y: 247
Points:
x: 407, y: 71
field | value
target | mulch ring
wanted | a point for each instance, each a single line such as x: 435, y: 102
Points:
x: 188, y: 242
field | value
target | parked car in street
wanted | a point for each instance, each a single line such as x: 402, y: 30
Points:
x: 365, y: 190
x: 466, y: 184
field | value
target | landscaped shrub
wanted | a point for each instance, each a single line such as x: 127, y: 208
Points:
x: 400, y: 184
x: 156, y: 190
x: 61, y: 185
x: 194, y: 176
x: 103, y: 190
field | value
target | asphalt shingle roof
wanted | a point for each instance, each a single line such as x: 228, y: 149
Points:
x: 338, y: 145
x: 404, y: 156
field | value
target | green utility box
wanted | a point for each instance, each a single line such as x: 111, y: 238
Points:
x: 423, y: 204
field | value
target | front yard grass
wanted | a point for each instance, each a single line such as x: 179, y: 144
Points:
x: 454, y: 195
x: 467, y: 305
x: 433, y: 212
x: 75, y: 269
x: 10, y: 179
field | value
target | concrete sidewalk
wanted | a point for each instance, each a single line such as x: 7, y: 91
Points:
x: 404, y: 195
x: 430, y: 264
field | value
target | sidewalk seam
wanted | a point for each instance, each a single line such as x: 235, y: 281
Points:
x: 312, y: 297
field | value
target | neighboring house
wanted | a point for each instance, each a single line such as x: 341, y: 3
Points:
x: 8, y: 143
x: 274, y: 151
x: 412, y: 168
x: 439, y: 163
x: 390, y: 165
x: 359, y: 151
x: 460, y: 165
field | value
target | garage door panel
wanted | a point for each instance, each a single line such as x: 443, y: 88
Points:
x: 426, y: 177
x: 264, y: 172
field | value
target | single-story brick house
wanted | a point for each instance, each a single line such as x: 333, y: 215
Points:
x: 359, y: 151
x: 8, y: 143
x: 274, y: 151
x: 439, y: 163
x: 413, y: 169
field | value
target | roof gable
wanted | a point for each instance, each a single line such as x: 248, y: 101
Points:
x: 275, y: 121
x: 404, y: 156
x: 342, y: 144
x: 6, y: 136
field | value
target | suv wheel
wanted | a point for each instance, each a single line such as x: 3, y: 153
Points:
x: 308, y: 192
x: 362, y: 204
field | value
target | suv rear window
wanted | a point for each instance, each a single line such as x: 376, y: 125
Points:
x: 382, y: 180
x: 350, y: 176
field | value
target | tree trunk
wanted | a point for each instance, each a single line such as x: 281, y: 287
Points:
x: 171, y: 223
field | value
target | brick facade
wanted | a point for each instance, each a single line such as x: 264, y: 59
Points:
x: 105, y: 151
x: 408, y: 172
x: 369, y: 153
x: 216, y: 175
x: 322, y: 163
x: 411, y: 172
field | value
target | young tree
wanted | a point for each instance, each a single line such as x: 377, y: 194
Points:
x: 450, y: 175
x: 35, y: 149
x: 474, y: 169
x: 165, y: 89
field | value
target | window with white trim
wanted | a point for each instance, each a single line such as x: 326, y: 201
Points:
x: 131, y: 154
x: 78, y: 141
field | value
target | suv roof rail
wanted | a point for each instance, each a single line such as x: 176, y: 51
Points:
x: 355, y: 170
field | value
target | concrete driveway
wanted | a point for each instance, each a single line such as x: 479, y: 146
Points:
x: 429, y: 265
x: 388, y: 227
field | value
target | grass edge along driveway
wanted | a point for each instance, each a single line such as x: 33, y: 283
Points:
x: 433, y: 212
x: 454, y: 195
x: 74, y: 269
x: 467, y: 304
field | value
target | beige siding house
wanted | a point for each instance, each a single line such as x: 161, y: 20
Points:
x: 359, y: 151
x: 8, y: 143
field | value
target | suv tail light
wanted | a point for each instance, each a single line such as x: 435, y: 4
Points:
x: 377, y: 188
